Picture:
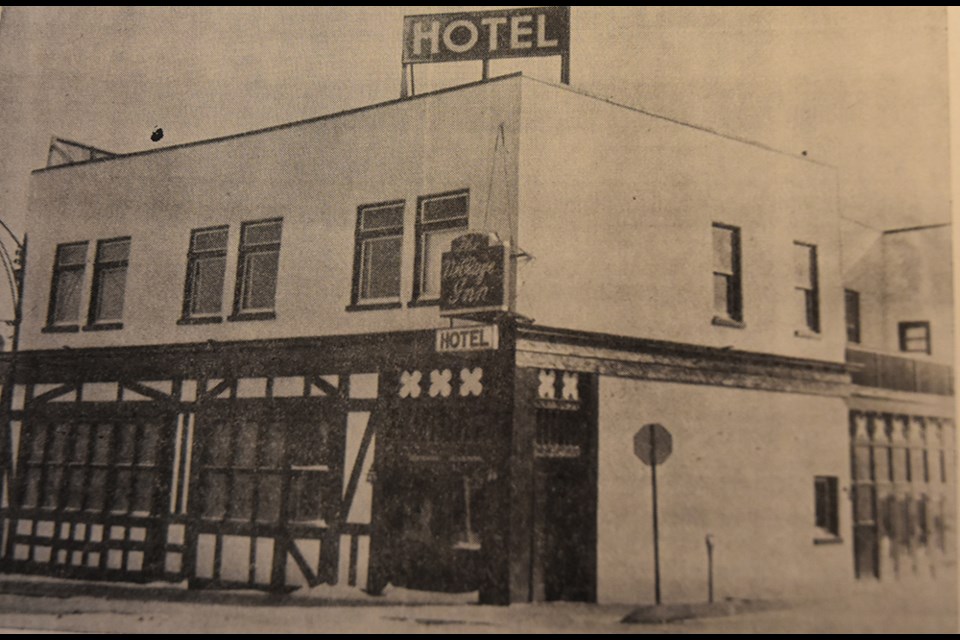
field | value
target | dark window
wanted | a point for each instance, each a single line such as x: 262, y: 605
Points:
x: 915, y: 337
x: 727, y: 287
x: 379, y: 246
x: 806, y: 287
x: 851, y: 300
x: 206, y: 267
x: 440, y: 219
x: 109, y: 281
x: 67, y: 287
x: 827, y: 504
x: 257, y: 266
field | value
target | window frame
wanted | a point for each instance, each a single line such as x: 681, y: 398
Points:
x: 99, y: 266
x: 854, y: 327
x: 811, y: 324
x: 245, y: 250
x: 734, y: 314
x: 52, y: 325
x: 829, y: 524
x: 357, y: 301
x: 903, y: 327
x: 194, y: 256
x: 422, y: 229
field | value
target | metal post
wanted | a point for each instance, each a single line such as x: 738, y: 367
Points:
x: 656, y: 526
x: 486, y: 69
x: 709, y: 541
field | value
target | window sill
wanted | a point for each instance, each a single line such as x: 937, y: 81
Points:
x: 719, y: 321
x: 252, y: 316
x: 374, y: 306
x: 806, y: 333
x: 61, y: 328
x: 433, y: 302
x: 831, y: 540
x: 104, y: 326
x: 201, y: 320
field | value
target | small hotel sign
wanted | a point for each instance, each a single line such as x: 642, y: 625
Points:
x: 468, y: 339
x: 484, y: 35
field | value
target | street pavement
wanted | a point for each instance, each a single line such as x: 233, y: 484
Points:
x: 927, y: 608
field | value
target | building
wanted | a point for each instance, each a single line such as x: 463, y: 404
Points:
x: 899, y: 307
x: 233, y: 368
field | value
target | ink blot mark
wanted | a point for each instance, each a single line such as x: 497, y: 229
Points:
x: 157, y: 134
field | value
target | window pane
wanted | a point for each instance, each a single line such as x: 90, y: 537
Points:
x: 381, y: 268
x: 31, y: 491
x: 802, y: 262
x: 71, y: 254
x: 852, y: 313
x: 51, y: 488
x: 60, y: 443
x: 101, y: 443
x: 720, y: 290
x: 128, y: 437
x: 214, y: 495
x: 381, y: 218
x: 143, y: 495
x: 260, y: 280
x: 445, y: 208
x: 75, y: 482
x: 269, y: 505
x: 306, y: 495
x: 245, y: 454
x: 38, y: 442
x: 113, y: 251
x: 217, y: 446
x: 435, y: 244
x: 109, y: 303
x: 122, y: 490
x: 96, y: 489
x: 271, y: 447
x: 207, y: 282
x: 241, y: 506
x: 81, y: 443
x: 149, y: 443
x: 262, y: 233
x: 311, y: 443
x: 66, y: 306
x: 723, y: 250
x: 209, y: 240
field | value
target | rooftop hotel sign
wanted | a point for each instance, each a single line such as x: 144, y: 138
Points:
x: 486, y: 35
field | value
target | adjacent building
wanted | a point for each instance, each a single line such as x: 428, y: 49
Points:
x: 233, y: 367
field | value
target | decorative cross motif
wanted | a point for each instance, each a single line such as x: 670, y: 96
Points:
x: 440, y: 383
x: 410, y: 384
x: 470, y: 382
x: 570, y: 388
x: 548, y: 387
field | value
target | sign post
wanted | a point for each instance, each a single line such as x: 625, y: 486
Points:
x: 485, y: 36
x: 653, y: 444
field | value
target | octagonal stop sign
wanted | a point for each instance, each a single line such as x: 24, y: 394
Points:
x: 653, y: 444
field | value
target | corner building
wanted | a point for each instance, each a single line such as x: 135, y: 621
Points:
x: 229, y: 368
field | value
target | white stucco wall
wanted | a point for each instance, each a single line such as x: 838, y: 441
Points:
x: 314, y: 175
x: 742, y: 469
x: 616, y: 209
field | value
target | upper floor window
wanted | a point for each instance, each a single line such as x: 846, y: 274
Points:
x: 915, y: 337
x: 440, y: 219
x: 806, y: 286
x: 727, y: 285
x: 109, y: 282
x: 851, y: 303
x: 67, y: 287
x: 379, y: 246
x: 257, y: 265
x: 206, y: 268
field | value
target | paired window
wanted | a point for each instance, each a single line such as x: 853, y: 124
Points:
x: 440, y: 219
x: 827, y: 504
x: 851, y: 305
x: 727, y: 285
x: 378, y: 253
x: 106, y: 293
x: 806, y: 287
x: 915, y: 337
x: 206, y: 269
x: 257, y: 264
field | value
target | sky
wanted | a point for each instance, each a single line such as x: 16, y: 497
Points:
x: 862, y: 89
